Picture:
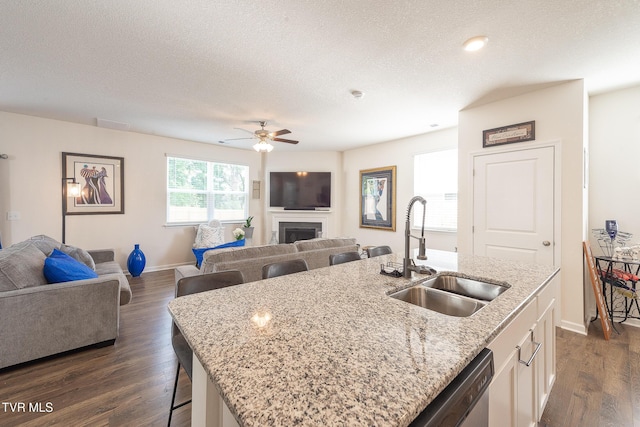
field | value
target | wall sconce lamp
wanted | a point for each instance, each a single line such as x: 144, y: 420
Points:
x: 70, y: 188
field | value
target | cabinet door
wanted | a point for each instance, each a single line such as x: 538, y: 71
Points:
x: 526, y: 381
x: 545, y: 333
x: 503, y: 393
x: 513, y: 388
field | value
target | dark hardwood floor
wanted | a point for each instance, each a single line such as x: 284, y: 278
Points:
x: 598, y: 381
x: 130, y: 383
x: 127, y: 384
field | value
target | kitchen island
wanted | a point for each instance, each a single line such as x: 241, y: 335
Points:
x: 330, y: 347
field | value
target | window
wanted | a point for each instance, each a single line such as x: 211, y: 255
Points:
x: 435, y: 177
x: 199, y: 191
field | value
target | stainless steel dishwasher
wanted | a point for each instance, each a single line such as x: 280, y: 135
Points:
x: 465, y: 401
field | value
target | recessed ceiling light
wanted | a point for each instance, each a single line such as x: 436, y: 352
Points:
x: 475, y: 43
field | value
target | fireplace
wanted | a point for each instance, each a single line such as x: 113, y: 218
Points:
x: 294, y: 225
x: 290, y: 232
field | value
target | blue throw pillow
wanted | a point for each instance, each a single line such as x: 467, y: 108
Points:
x: 199, y: 252
x: 60, y: 267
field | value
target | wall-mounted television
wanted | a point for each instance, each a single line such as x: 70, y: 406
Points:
x: 300, y: 190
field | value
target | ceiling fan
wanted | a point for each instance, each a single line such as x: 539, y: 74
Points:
x: 264, y: 136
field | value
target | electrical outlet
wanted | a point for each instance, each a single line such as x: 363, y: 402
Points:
x: 13, y: 216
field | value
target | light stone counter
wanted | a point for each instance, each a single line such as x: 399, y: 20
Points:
x: 336, y: 350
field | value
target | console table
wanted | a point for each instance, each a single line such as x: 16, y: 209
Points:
x: 620, y: 303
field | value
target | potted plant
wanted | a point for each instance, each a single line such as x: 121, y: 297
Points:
x: 248, y: 229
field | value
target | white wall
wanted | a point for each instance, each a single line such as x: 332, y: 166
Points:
x: 31, y: 181
x: 614, y: 161
x: 614, y: 150
x: 397, y: 153
x: 560, y: 114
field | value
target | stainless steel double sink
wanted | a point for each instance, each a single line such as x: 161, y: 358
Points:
x: 451, y: 295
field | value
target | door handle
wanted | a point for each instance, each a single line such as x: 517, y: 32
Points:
x: 546, y: 243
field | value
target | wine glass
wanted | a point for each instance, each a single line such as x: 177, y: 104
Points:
x: 611, y: 225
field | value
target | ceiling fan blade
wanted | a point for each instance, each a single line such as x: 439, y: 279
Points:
x: 233, y: 139
x: 288, y: 141
x: 250, y: 131
x: 281, y: 132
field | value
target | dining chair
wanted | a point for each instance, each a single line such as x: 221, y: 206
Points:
x: 188, y: 286
x: 343, y: 257
x: 378, y: 250
x: 285, y: 267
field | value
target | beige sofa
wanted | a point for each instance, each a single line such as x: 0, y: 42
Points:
x: 249, y: 260
x: 40, y: 319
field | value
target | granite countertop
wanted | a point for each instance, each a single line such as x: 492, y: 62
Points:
x: 330, y: 347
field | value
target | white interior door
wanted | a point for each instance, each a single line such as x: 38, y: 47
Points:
x: 513, y: 205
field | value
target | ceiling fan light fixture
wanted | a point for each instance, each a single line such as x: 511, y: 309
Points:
x: 263, y: 146
x: 475, y: 43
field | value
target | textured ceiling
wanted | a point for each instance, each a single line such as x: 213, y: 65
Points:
x: 199, y: 69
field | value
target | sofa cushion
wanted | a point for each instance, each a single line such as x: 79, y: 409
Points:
x: 79, y: 254
x: 185, y: 271
x: 45, y: 243
x: 209, y: 237
x: 21, y: 266
x: 318, y: 258
x: 312, y: 244
x: 252, y: 268
x: 60, y: 267
x: 248, y: 253
x: 109, y: 267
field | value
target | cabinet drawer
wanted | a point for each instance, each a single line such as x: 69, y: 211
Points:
x: 547, y: 295
x: 505, y: 343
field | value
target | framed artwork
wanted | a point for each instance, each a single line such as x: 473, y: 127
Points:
x: 378, y: 198
x: 102, y: 182
x: 509, y: 134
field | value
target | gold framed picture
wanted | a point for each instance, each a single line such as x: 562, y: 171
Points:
x: 378, y: 198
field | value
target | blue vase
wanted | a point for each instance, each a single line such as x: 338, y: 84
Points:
x: 136, y: 261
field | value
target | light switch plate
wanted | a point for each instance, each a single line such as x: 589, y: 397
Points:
x: 13, y: 216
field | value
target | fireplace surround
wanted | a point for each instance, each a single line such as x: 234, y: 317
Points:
x: 293, y: 226
x: 289, y: 232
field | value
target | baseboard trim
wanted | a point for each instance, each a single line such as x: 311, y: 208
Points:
x: 632, y: 322
x: 163, y: 267
x: 574, y: 327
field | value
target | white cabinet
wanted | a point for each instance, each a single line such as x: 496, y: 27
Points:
x: 545, y: 333
x: 527, y: 361
x: 503, y: 394
x: 512, y: 390
x: 524, y: 359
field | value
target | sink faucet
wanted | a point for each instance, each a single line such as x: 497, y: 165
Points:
x: 407, y: 263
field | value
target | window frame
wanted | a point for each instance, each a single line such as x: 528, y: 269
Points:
x: 417, y: 214
x: 209, y: 192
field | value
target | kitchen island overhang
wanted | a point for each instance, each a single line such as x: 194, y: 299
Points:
x: 329, y: 346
